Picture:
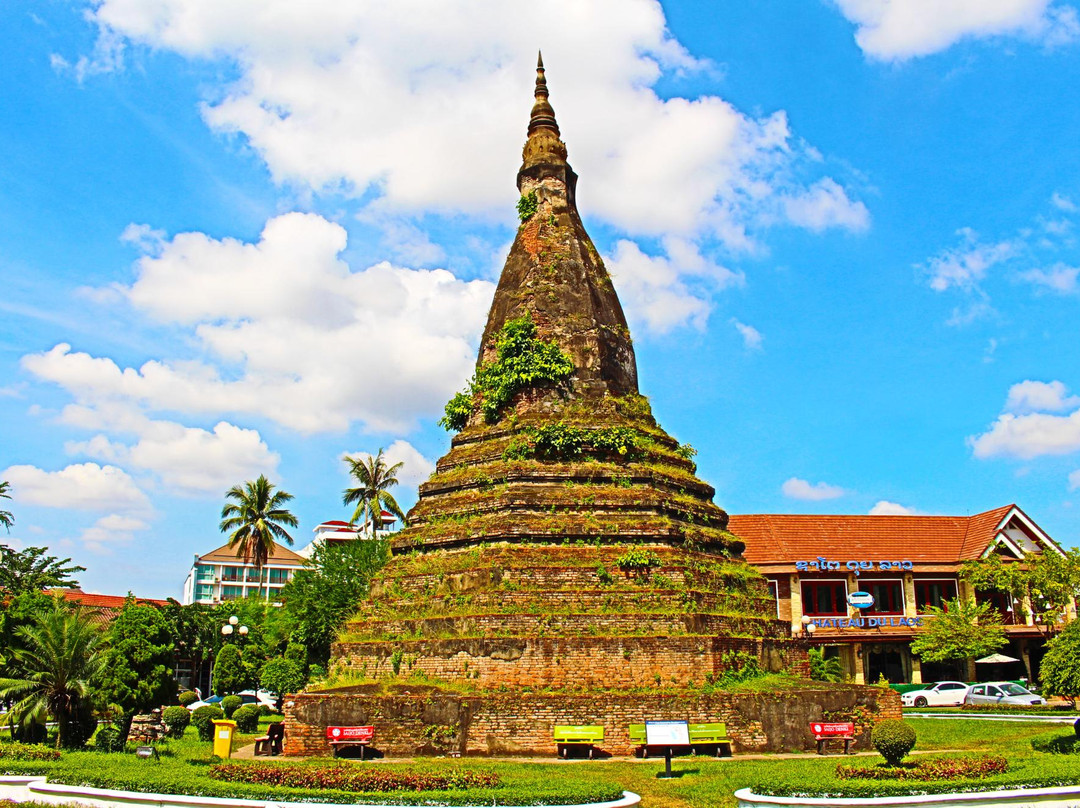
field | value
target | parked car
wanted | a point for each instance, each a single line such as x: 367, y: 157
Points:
x: 939, y: 694
x: 256, y: 697
x: 1002, y: 693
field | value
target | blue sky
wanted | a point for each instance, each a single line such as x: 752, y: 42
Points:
x: 244, y: 236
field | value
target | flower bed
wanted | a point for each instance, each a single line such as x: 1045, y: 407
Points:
x: 21, y: 751
x: 971, y: 768
x: 343, y: 777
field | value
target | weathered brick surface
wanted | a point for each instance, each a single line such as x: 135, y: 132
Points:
x: 521, y: 724
x: 568, y: 661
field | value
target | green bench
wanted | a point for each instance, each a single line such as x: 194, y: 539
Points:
x: 567, y: 736
x: 714, y: 734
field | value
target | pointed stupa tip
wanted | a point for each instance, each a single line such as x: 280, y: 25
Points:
x: 543, y: 116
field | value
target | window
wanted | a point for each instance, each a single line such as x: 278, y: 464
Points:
x: 230, y: 574
x: 978, y: 690
x: 993, y: 691
x: 933, y: 593
x: 824, y: 598
x: 232, y: 592
x: 888, y: 597
x: 204, y: 572
x: 204, y: 592
x: 279, y: 576
x: 951, y: 686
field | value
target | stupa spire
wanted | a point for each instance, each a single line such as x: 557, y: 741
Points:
x: 543, y: 146
x: 543, y: 116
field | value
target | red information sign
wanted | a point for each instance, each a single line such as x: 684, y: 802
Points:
x: 354, y: 734
x: 826, y: 729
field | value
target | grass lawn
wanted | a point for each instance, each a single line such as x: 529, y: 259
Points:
x: 703, y: 782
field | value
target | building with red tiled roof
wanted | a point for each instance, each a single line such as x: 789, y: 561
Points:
x: 861, y: 586
x: 221, y: 575
x: 103, y: 609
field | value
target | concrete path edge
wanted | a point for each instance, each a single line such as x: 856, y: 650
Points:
x: 1058, y: 797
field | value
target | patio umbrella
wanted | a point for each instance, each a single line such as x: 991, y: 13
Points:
x: 995, y: 659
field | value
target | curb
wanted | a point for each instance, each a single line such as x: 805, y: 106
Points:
x: 1058, y: 797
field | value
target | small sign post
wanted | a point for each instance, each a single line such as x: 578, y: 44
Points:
x: 667, y: 734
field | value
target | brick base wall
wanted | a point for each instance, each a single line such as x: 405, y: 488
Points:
x: 423, y: 721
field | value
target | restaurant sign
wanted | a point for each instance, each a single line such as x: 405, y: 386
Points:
x: 822, y: 565
x: 868, y: 622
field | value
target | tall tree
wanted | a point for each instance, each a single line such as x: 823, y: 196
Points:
x: 255, y: 518
x: 55, y: 673
x: 139, y: 674
x: 1042, y: 584
x: 328, y: 589
x: 6, y: 519
x: 30, y: 570
x: 960, y: 630
x: 372, y: 495
x: 1060, y: 669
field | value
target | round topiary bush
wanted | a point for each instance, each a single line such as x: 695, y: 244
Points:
x: 188, y: 697
x: 203, y: 718
x: 230, y: 704
x: 893, y: 739
x: 176, y: 719
x: 247, y: 719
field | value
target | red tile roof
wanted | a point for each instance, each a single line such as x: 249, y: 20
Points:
x: 786, y: 538
x: 102, y: 609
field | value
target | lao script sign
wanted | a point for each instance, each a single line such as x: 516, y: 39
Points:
x: 821, y: 564
x: 667, y: 733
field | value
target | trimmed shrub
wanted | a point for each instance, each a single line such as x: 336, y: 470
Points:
x: 230, y: 704
x: 893, y: 739
x: 263, y: 709
x: 247, y: 719
x: 203, y: 717
x: 25, y: 751
x: 187, y: 698
x: 1057, y: 743
x: 352, y: 778
x: 177, y: 720
x: 110, y: 739
x: 946, y: 768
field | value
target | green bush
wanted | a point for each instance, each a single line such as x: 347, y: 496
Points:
x: 1057, y: 743
x: 203, y: 719
x: 351, y: 778
x: 264, y: 710
x: 247, y: 719
x: 893, y: 739
x: 977, y: 767
x: 230, y: 704
x: 26, y: 751
x: 110, y: 739
x: 188, y: 697
x: 176, y: 719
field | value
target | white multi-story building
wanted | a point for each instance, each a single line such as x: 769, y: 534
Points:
x: 219, y: 576
x: 337, y: 530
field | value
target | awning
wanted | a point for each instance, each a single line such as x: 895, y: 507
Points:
x: 995, y: 659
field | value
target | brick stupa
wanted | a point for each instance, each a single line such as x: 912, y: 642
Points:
x: 563, y: 565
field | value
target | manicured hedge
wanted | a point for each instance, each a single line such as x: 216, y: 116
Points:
x: 25, y: 751
x: 203, y: 718
x: 893, y: 739
x: 352, y: 778
x: 230, y: 704
x: 974, y: 768
x: 176, y: 719
x: 1057, y: 743
x: 247, y: 719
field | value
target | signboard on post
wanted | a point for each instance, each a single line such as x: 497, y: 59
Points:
x: 667, y: 733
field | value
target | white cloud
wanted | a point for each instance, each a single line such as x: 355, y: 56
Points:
x: 964, y: 266
x: 902, y: 29
x: 825, y: 205
x: 85, y: 486
x: 286, y: 326
x: 1062, y: 202
x: 1074, y: 480
x: 110, y: 531
x: 437, y: 96
x: 1029, y: 436
x: 885, y: 508
x: 665, y: 291
x: 189, y: 461
x: 1059, y: 278
x: 1033, y: 396
x: 752, y: 338
x: 801, y: 489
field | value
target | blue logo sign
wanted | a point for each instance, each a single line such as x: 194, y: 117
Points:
x: 861, y: 600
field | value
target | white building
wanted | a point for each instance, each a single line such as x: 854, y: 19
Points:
x: 337, y: 530
x: 219, y: 576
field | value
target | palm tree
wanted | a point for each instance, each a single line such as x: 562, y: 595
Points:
x: 372, y: 496
x: 6, y: 519
x: 255, y: 519
x: 62, y: 661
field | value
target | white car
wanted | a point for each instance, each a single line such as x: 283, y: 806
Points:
x: 940, y: 694
x: 257, y: 698
x: 1002, y: 693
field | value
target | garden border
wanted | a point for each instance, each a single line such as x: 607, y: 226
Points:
x: 1057, y: 797
x: 37, y: 788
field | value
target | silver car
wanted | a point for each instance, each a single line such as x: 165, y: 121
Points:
x: 1001, y: 693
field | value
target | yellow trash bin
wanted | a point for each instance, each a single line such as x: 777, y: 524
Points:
x: 223, y: 732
